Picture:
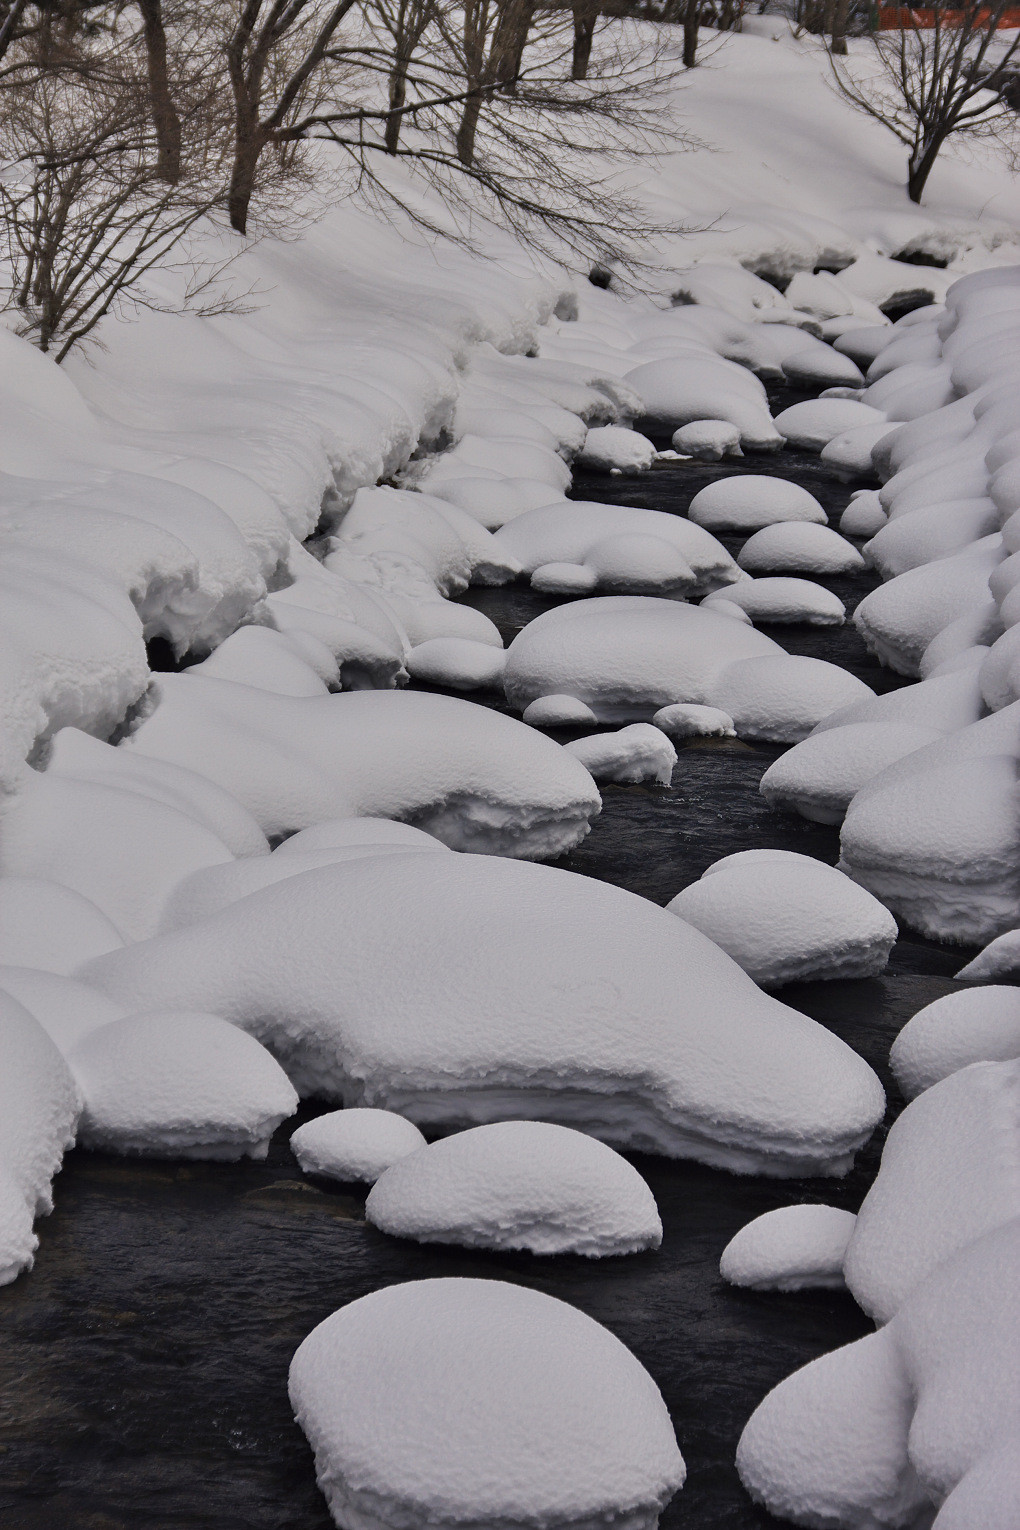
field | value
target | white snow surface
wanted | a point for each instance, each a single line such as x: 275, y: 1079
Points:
x: 357, y: 1144
x: 820, y: 776
x: 793, y: 1248
x: 636, y: 753
x: 974, y: 1025
x: 460, y: 1402
x: 46, y: 925
x: 66, y: 1009
x: 749, y: 501
x: 457, y: 990
x: 781, y: 600
x: 687, y: 720
x: 1000, y: 958
x: 783, y: 697
x: 178, y: 1084
x: 814, y: 423
x: 609, y: 448
x: 709, y: 440
x: 518, y: 1185
x: 798, y: 547
x: 788, y: 920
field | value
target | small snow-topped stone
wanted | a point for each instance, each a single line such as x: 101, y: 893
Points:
x: 460, y: 663
x: 46, y: 925
x: 519, y: 1185
x: 863, y: 516
x: 679, y: 389
x: 790, y: 921
x: 973, y: 1025
x: 455, y: 1403
x: 783, y: 697
x: 820, y: 776
x: 798, y: 547
x: 1000, y: 958
x: 638, y: 753
x: 709, y: 440
x: 564, y: 579
x: 558, y: 712
x: 784, y: 600
x: 748, y: 501
x: 813, y: 368
x: 790, y: 1249
x: 344, y: 833
x: 817, y: 421
x: 179, y: 1084
x: 614, y: 446
x: 635, y: 561
x: 356, y: 1144
x: 687, y: 720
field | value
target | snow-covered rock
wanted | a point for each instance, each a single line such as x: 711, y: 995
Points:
x: 639, y: 752
x: 791, y: 920
x: 950, y: 1171
x: 793, y: 1248
x: 178, y: 1084
x: 476, y: 1402
x: 550, y: 995
x: 973, y: 1025
x: 783, y: 600
x: 46, y: 925
x: 493, y: 501
x: 899, y: 619
x: 798, y: 547
x: 355, y: 833
x: 679, y: 390
x: 474, y: 778
x: 782, y: 697
x: 564, y: 579
x: 708, y: 440
x: 943, y: 702
x: 687, y: 720
x: 66, y: 1009
x: 863, y: 516
x: 636, y: 563
x: 820, y: 776
x: 358, y: 1144
x: 614, y: 448
x: 814, y: 423
x: 999, y: 958
x: 749, y: 501
x: 459, y: 663
x: 558, y: 712
x: 811, y: 367
x: 518, y: 1185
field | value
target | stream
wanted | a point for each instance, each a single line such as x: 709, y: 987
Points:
x: 144, y: 1361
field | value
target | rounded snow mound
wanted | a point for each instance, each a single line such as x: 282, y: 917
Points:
x: 973, y: 1025
x: 788, y: 921
x: 820, y: 776
x: 798, y: 547
x: 680, y: 389
x: 691, y: 721
x: 179, y: 1084
x: 349, y: 833
x: 558, y: 712
x: 709, y: 440
x: 793, y: 1248
x: 354, y: 1144
x: 458, y: 990
x: 785, y: 600
x: 66, y: 1009
x: 609, y: 448
x: 783, y: 696
x: 749, y: 501
x: 635, y: 562
x: 46, y: 925
x: 817, y: 421
x: 518, y: 1185
x: 1000, y: 958
x: 460, y: 663
x: 639, y: 752
x: 456, y: 1403
x: 863, y: 516
x: 564, y: 579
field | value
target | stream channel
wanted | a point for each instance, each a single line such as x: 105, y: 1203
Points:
x: 143, y: 1363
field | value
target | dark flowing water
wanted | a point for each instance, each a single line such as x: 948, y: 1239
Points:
x: 144, y: 1362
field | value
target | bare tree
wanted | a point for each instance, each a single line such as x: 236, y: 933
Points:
x: 939, y: 75
x: 586, y: 15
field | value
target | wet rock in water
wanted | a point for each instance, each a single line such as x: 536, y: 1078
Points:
x: 475, y: 1402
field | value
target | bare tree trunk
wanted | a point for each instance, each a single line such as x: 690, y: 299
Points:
x: 165, y: 118
x: 837, y: 29
x: 398, y: 96
x: 692, y: 18
x: 249, y: 143
x: 468, y: 128
x: 920, y: 166
x: 586, y: 13
x: 508, y: 41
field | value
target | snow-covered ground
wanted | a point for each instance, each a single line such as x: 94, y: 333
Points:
x: 168, y: 962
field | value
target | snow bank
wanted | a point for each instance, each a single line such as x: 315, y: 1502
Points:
x: 470, y: 1402
x: 790, y: 920
x: 793, y: 1248
x: 178, y: 1084
x: 473, y: 778
x: 638, y: 753
x: 48, y: 926
x: 549, y: 995
x: 354, y: 1144
x: 518, y: 1185
x: 975, y: 1025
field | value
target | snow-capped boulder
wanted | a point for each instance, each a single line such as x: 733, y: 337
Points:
x: 474, y: 778
x: 639, y: 752
x: 634, y: 562
x: 459, y: 663
x: 782, y: 600
x: 950, y: 1171
x: 358, y: 1144
x: 708, y: 440
x: 811, y: 368
x: 852, y: 453
x: 471, y: 1402
x: 271, y: 660
x: 558, y: 712
x: 798, y: 547
x: 518, y: 1185
x: 863, y: 516
x: 1000, y: 958
x: 885, y: 1430
x: 179, y: 1084
x: 788, y: 921
x: 749, y: 501
x: 973, y: 1025
x: 46, y: 925
x: 355, y: 833
x: 614, y: 448
x: 687, y: 720
x: 564, y: 579
x: 936, y: 531
x: 793, y: 1248
x: 944, y: 703
x: 680, y: 389
x: 782, y: 697
x: 66, y: 1009
x: 492, y: 501
x: 550, y: 995
x: 899, y: 619
x: 820, y: 776
x: 814, y: 423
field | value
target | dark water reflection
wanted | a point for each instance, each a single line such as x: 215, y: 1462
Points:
x: 144, y: 1361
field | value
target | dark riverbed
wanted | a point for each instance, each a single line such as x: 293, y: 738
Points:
x: 145, y: 1359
